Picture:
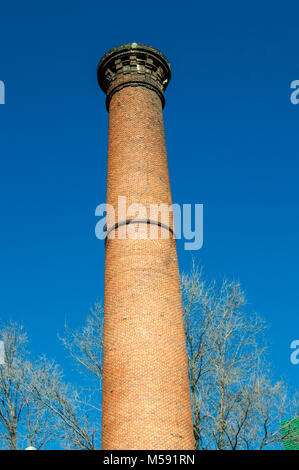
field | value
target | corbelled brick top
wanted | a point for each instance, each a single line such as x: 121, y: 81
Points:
x: 133, y: 65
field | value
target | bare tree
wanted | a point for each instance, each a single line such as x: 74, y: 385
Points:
x: 85, y: 345
x: 23, y: 421
x: 81, y: 413
x: 71, y: 410
x: 235, y: 403
x: 36, y: 405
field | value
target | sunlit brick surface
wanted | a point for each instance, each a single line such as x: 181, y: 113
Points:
x: 146, y: 398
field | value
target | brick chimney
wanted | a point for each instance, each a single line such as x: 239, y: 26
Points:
x: 146, y: 397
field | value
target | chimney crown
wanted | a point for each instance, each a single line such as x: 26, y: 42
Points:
x: 133, y: 65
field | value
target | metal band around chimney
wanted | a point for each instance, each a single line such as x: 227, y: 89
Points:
x: 139, y: 221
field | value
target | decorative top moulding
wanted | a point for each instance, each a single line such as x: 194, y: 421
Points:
x: 133, y: 65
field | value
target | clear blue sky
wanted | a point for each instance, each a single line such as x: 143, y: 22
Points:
x: 232, y: 137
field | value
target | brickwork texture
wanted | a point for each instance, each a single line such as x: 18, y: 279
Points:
x: 146, y: 397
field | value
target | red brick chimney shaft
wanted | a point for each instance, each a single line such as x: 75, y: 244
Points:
x: 146, y: 397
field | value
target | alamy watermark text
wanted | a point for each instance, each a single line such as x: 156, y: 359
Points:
x: 152, y: 221
x: 2, y: 92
